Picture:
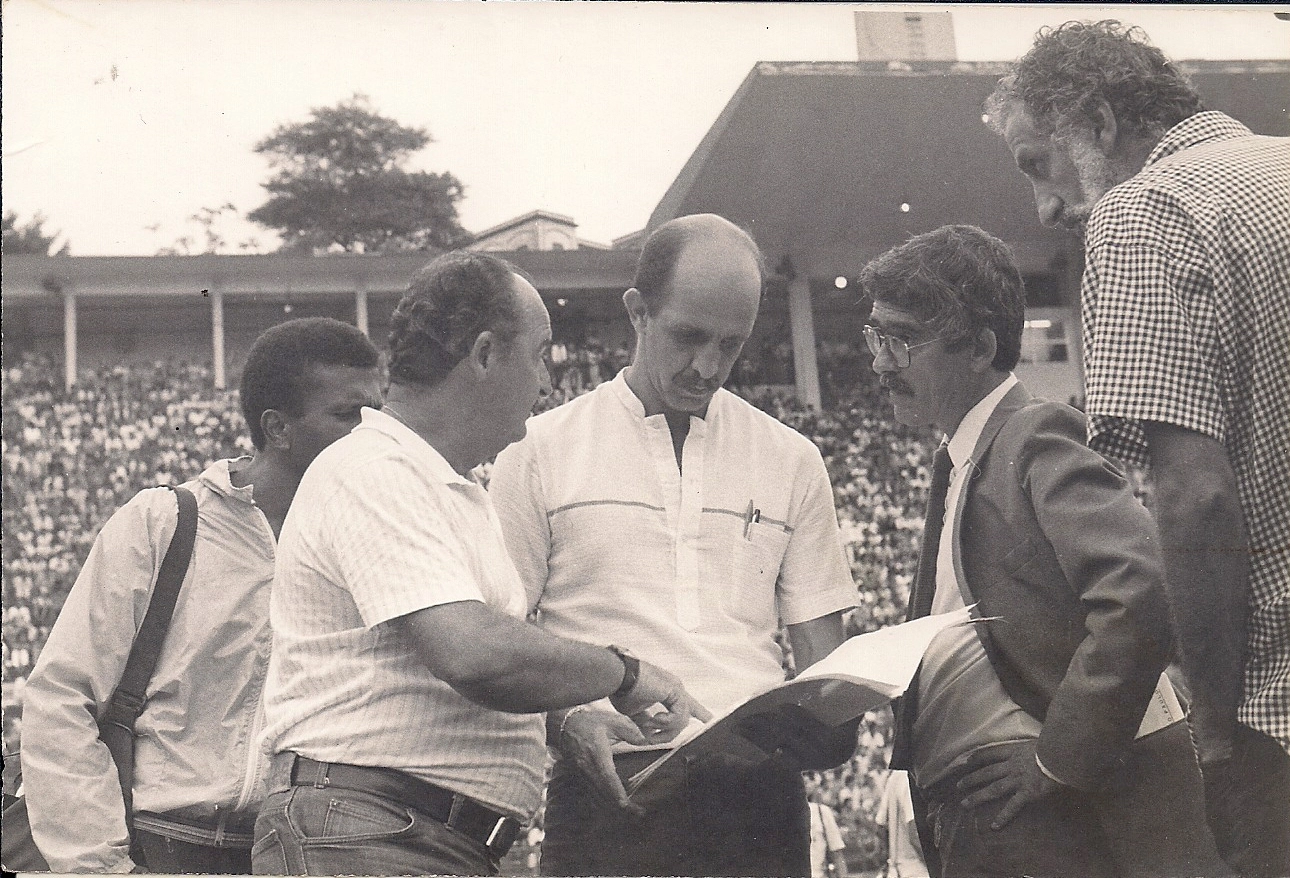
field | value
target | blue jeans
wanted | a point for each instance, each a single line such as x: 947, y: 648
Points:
x: 703, y: 817
x: 169, y: 856
x: 304, y: 830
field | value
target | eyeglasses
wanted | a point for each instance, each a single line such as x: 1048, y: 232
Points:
x: 899, y: 349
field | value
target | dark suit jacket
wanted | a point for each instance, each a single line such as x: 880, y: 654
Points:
x: 1050, y: 539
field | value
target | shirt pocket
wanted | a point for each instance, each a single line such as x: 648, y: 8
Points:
x: 754, y: 570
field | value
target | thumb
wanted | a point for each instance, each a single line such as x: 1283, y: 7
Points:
x: 624, y: 729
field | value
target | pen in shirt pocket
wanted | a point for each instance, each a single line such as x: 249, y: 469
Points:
x: 752, y: 516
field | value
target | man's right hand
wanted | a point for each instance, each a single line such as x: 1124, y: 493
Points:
x: 587, y: 736
x: 656, y: 686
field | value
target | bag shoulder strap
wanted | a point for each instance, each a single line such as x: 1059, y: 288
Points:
x: 130, y: 694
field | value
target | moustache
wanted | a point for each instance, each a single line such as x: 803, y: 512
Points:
x: 894, y: 385
x: 698, y: 388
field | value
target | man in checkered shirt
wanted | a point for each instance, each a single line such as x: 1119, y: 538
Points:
x: 1186, y: 312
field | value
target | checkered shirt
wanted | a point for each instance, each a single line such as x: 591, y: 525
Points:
x: 1186, y: 311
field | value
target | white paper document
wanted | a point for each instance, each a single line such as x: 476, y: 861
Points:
x: 862, y: 674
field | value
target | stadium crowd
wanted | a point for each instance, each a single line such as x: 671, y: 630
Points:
x: 70, y: 458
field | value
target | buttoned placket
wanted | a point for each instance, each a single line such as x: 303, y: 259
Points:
x: 682, y: 492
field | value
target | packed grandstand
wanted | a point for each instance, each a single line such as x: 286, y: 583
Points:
x: 71, y: 457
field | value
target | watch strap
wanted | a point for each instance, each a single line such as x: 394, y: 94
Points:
x: 631, y: 671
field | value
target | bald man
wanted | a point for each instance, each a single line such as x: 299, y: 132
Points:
x: 667, y: 515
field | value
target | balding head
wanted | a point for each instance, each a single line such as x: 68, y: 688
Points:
x: 694, y: 305
x: 666, y: 244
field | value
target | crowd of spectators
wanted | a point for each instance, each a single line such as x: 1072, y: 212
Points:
x: 70, y: 458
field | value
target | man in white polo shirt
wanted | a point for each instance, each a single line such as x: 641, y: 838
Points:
x: 405, y: 685
x: 666, y: 514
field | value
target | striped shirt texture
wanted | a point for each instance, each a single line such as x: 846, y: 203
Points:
x: 690, y: 568
x: 1186, y: 313
x: 381, y: 527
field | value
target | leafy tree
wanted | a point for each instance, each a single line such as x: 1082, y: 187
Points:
x: 30, y: 238
x: 340, y: 183
x: 209, y: 220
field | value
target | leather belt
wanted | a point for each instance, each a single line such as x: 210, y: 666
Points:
x: 224, y: 830
x: 495, y: 831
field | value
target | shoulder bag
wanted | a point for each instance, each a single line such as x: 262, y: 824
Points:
x: 18, y: 852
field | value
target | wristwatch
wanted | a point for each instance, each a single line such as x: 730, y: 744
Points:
x: 631, y: 670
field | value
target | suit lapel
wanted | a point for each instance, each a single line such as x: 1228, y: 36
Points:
x: 1014, y: 401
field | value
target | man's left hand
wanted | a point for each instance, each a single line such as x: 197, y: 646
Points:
x: 1006, y: 771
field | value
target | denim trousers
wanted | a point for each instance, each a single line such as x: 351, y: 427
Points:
x: 304, y: 830
x: 704, y: 816
x: 169, y: 856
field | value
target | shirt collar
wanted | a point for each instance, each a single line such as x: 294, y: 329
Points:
x: 1195, y: 130
x: 409, y: 440
x: 969, y: 429
x: 620, y: 389
x: 217, y: 478
x: 623, y: 391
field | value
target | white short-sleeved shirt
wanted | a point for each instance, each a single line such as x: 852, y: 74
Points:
x: 380, y: 527
x: 690, y: 568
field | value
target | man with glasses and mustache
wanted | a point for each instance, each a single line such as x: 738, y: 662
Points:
x: 1043, y: 740
x: 672, y: 517
x: 1186, y: 317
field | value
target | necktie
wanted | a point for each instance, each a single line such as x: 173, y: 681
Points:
x: 920, y: 600
x: 920, y: 596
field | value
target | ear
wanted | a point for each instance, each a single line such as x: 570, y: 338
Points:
x: 277, y: 429
x: 484, y: 352
x: 634, y: 302
x: 1105, y: 127
x: 984, y: 348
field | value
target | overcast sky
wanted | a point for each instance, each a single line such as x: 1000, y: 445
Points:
x: 122, y: 114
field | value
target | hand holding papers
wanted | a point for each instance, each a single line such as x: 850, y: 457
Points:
x: 797, y: 716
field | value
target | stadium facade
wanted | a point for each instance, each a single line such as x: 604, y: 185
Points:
x: 826, y: 163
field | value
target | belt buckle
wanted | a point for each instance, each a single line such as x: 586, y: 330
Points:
x: 502, y: 836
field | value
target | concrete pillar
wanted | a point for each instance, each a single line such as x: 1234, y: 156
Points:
x: 360, y: 309
x: 69, y: 339
x: 802, y: 323
x: 217, y: 338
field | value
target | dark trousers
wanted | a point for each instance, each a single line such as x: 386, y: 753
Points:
x: 1057, y: 837
x: 1148, y: 822
x: 1251, y: 812
x: 168, y: 856
x: 1153, y: 810
x: 703, y: 817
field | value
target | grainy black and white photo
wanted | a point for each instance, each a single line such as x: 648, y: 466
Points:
x: 447, y: 437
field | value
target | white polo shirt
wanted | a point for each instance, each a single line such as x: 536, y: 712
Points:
x: 380, y: 527
x: 690, y: 568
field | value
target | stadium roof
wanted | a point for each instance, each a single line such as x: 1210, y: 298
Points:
x: 44, y: 277
x: 817, y: 158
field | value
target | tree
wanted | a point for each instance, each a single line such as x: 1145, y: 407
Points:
x: 30, y: 238
x: 341, y: 184
x: 210, y: 220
